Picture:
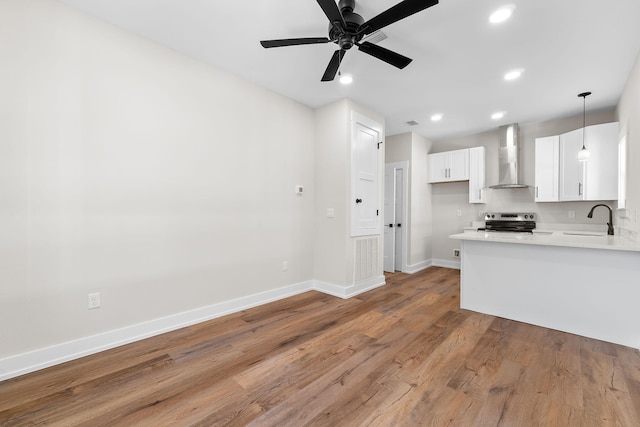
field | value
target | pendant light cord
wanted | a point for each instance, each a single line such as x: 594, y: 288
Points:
x: 584, y: 118
x: 584, y: 115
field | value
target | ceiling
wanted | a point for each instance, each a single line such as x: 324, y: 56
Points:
x: 459, y: 59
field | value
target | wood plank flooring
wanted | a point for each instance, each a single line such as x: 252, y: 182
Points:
x: 401, y: 355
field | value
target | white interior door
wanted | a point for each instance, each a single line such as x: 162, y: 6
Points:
x: 398, y: 216
x: 396, y: 185
x: 389, y: 218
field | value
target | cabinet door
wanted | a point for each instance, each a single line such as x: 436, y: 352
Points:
x: 476, y: 175
x: 438, y: 167
x: 547, y: 168
x: 601, y: 177
x: 459, y: 165
x: 572, y: 171
x: 365, y: 176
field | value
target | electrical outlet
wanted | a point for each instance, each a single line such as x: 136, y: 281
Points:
x: 94, y: 300
x: 285, y: 265
x: 572, y: 214
x: 459, y: 212
x: 456, y: 253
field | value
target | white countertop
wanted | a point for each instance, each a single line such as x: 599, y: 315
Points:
x: 575, y: 239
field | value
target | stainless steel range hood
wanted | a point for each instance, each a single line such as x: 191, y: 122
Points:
x: 508, y: 153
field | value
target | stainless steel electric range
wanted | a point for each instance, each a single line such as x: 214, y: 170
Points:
x: 509, y: 222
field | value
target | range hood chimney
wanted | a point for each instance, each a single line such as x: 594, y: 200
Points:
x: 508, y: 153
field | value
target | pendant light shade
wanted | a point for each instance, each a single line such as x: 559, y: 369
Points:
x: 584, y: 154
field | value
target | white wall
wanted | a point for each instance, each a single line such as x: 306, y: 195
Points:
x: 420, y: 240
x: 133, y: 171
x: 628, y: 113
x: 414, y: 148
x: 334, y: 249
x: 332, y: 153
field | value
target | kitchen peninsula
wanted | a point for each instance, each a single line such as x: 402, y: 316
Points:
x: 581, y: 283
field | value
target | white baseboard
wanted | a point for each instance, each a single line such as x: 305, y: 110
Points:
x: 446, y: 263
x: 348, y: 291
x: 25, y: 363
x: 21, y: 364
x: 414, y: 268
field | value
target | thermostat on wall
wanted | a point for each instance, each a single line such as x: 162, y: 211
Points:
x: 299, y: 189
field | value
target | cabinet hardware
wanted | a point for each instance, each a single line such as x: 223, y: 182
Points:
x: 358, y: 200
x: 399, y: 225
x: 536, y: 191
x: 579, y: 189
x: 390, y: 225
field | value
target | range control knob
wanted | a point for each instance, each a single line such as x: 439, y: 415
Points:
x: 526, y: 216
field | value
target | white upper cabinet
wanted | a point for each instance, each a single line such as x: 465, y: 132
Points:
x: 601, y: 171
x: 571, y: 170
x: 460, y: 165
x: 449, y: 166
x: 476, y: 175
x: 547, y: 169
x: 597, y: 178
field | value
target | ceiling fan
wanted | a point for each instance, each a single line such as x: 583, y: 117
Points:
x: 347, y: 29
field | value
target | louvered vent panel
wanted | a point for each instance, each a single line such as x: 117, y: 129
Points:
x: 366, y: 259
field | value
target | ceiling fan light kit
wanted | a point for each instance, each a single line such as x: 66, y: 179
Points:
x: 347, y: 29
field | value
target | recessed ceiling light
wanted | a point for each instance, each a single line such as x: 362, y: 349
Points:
x: 501, y: 14
x: 498, y: 115
x: 436, y: 117
x: 514, y: 74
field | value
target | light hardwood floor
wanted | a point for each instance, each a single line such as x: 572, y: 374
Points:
x: 401, y: 355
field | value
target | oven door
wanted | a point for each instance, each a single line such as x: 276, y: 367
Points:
x: 524, y: 226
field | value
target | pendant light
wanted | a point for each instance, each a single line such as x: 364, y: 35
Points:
x: 584, y: 154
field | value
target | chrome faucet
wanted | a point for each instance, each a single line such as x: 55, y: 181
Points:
x: 610, y: 223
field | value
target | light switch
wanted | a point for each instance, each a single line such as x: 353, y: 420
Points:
x: 331, y: 213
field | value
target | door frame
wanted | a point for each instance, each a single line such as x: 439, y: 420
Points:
x: 404, y: 165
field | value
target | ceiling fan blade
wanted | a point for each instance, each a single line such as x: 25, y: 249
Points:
x: 395, y: 13
x: 386, y: 55
x: 334, y: 65
x: 293, y: 42
x: 330, y: 9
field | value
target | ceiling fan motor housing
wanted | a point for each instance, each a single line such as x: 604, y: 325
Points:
x: 347, y: 36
